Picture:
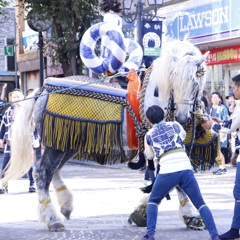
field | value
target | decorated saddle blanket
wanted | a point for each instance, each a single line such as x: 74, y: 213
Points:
x: 84, y: 117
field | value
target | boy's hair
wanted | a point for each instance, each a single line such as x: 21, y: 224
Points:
x: 217, y: 93
x: 155, y: 114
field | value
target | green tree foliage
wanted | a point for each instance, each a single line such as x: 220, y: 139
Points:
x: 70, y: 19
x: 3, y: 4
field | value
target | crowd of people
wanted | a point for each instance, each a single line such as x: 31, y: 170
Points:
x: 215, y: 106
x: 7, y: 119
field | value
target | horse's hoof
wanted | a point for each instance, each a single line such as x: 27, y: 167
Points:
x: 194, y: 223
x: 56, y: 227
x: 138, y: 217
x: 66, y: 213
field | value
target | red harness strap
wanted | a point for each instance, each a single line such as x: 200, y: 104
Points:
x: 134, y: 87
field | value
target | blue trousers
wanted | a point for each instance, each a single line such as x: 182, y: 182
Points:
x: 6, y: 158
x: 236, y: 194
x: 187, y: 181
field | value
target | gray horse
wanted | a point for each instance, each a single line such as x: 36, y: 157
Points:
x: 66, y: 133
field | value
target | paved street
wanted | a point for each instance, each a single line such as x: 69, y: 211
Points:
x: 104, y: 196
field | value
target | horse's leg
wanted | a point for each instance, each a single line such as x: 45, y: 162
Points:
x: 188, y: 213
x: 64, y: 195
x: 44, y: 171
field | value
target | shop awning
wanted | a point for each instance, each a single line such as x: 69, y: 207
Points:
x: 6, y: 76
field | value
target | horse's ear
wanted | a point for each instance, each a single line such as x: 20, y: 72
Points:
x: 203, y: 58
x: 205, y: 55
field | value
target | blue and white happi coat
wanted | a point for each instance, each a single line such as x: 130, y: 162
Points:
x: 163, y: 137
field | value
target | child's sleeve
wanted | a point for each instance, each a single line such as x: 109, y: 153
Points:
x: 148, y: 149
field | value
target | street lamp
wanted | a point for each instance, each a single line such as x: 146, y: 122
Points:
x: 138, y: 9
x: 38, y: 23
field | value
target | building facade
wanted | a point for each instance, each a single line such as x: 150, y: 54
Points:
x: 211, y: 25
x: 8, y: 73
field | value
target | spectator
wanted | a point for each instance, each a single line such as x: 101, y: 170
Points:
x: 2, y: 99
x: 164, y: 142
x: 220, y: 111
x: 5, y: 135
x: 231, y: 102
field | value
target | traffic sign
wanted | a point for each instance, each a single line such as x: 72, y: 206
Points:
x: 8, y: 50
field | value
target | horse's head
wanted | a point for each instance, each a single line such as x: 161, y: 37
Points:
x: 187, y: 84
x: 183, y: 76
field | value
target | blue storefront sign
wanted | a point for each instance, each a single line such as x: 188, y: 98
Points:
x: 215, y: 21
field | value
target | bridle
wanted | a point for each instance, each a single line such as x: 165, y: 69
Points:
x: 170, y: 116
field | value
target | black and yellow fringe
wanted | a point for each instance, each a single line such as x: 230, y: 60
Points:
x: 95, y: 141
x: 206, y: 146
x: 92, y: 127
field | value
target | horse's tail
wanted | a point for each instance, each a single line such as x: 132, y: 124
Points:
x: 21, y: 141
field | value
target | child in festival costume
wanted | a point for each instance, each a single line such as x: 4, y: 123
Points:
x: 229, y: 126
x: 165, y: 142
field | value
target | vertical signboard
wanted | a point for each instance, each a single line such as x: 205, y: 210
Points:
x: 151, y: 40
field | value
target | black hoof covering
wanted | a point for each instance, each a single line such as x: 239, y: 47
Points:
x: 195, y: 223
x: 147, y: 189
x: 138, y: 217
x: 141, y: 162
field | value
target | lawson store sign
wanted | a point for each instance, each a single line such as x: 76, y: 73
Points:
x: 214, y: 21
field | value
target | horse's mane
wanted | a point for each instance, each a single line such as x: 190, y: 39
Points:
x: 173, y: 70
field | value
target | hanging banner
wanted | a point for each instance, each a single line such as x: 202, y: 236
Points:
x: 223, y: 55
x: 152, y: 38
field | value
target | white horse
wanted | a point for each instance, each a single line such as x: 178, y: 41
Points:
x: 176, y: 76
